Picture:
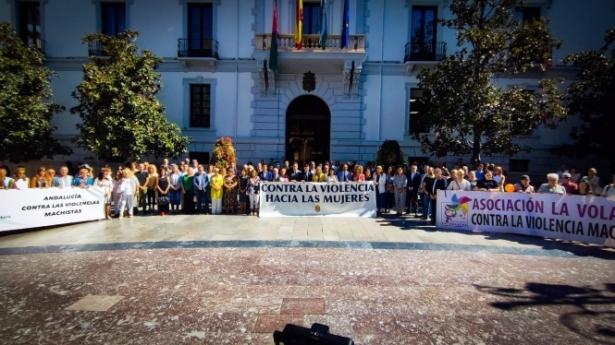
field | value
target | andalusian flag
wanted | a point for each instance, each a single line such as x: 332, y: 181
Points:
x: 273, y: 49
x: 299, y: 24
x: 323, y: 24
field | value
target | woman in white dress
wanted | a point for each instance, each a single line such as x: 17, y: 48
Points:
x: 117, y: 190
x: 331, y: 177
x: 21, y: 181
x: 103, y: 182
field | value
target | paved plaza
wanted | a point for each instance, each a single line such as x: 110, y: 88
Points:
x: 236, y: 279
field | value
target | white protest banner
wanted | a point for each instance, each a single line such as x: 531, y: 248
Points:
x: 296, y: 199
x: 32, y: 208
x: 568, y: 217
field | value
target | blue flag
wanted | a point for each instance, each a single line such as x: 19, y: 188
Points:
x: 345, y: 28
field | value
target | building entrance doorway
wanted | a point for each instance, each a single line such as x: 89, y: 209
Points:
x: 308, y: 130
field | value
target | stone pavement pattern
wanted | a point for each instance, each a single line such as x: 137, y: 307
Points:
x: 471, y: 289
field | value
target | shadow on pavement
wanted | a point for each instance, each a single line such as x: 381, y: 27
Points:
x: 594, y: 318
x: 558, y: 248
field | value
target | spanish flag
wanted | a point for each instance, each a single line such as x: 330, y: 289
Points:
x: 299, y: 24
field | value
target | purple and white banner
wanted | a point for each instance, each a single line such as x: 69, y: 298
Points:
x: 587, y: 219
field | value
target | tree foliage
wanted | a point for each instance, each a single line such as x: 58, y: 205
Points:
x: 592, y: 97
x: 223, y: 153
x: 390, y: 154
x: 467, y: 112
x: 25, y: 112
x: 121, y: 116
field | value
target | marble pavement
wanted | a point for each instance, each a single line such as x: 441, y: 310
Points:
x: 236, y: 279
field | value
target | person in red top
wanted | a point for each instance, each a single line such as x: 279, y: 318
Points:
x: 568, y: 185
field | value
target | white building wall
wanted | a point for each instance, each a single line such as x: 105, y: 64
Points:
x: 5, y: 11
x: 257, y: 122
x: 62, y: 86
x: 159, y: 35
x: 65, y: 24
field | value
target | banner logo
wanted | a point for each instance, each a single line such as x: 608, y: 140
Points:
x: 317, y: 208
x: 456, y: 212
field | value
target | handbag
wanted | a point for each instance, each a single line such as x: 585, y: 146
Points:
x: 163, y: 200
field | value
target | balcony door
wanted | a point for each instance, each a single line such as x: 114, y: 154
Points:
x: 423, y: 33
x: 30, y: 23
x: 200, y: 30
x: 308, y: 130
x: 113, y: 18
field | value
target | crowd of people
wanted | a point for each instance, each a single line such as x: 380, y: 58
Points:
x: 192, y: 188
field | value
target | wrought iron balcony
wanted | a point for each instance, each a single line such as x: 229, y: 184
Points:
x: 201, y: 48
x: 416, y: 51
x: 95, y: 49
x: 286, y: 42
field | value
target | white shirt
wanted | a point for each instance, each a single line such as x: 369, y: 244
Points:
x: 609, y: 192
x: 128, y: 187
x: 457, y: 185
x: 22, y: 184
x: 382, y: 182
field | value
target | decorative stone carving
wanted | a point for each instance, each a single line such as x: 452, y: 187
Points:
x: 309, y: 81
x: 266, y: 78
x: 351, y: 78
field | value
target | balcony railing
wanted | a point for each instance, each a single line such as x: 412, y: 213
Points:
x: 425, y: 52
x: 95, y: 49
x: 286, y: 42
x: 202, y: 48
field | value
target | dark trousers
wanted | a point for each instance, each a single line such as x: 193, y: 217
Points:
x: 151, y: 199
x: 412, y: 202
x: 142, y: 199
x: 189, y: 202
x: 202, y: 201
x: 381, y: 200
x: 434, y: 210
x: 390, y: 200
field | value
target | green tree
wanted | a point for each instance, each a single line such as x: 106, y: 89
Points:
x: 121, y: 116
x: 25, y: 112
x: 390, y: 154
x: 467, y: 112
x: 592, y: 98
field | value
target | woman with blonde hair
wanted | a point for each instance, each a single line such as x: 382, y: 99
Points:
x: 116, y: 193
x: 319, y: 176
x: 358, y: 174
x: 49, y: 176
x: 216, y: 182
x: 380, y: 183
x: 593, y: 180
x: 128, y: 189
x: 150, y: 183
x: 498, y: 176
x: 21, y: 181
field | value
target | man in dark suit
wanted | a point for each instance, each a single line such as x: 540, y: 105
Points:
x: 439, y: 183
x: 295, y: 174
x: 414, y: 184
x: 307, y: 175
x: 265, y: 174
x: 201, y: 189
x: 344, y: 175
